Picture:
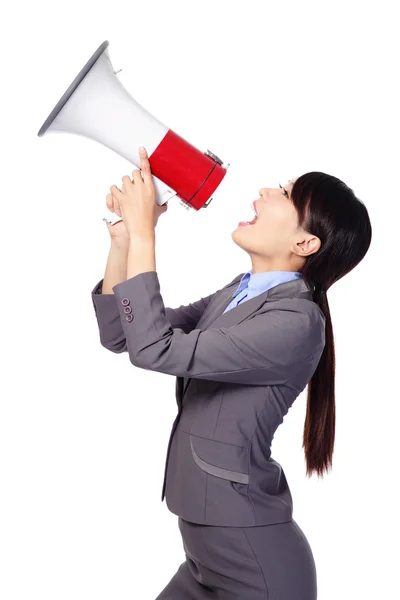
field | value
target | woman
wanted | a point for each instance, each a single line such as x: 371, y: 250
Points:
x: 241, y: 356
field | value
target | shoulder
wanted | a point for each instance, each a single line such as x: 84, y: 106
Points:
x: 303, y: 316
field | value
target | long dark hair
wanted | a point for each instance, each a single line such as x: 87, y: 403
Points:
x: 329, y: 209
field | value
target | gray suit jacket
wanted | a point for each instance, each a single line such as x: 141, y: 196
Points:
x: 237, y: 374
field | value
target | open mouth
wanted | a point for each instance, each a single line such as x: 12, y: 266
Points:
x: 252, y: 222
x: 248, y: 223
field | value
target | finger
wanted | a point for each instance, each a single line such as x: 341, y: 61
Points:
x: 115, y: 207
x: 137, y: 177
x: 116, y: 192
x: 112, y: 204
x: 126, y: 183
x: 145, y: 165
x: 109, y: 202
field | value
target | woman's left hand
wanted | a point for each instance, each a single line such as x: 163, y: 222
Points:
x: 137, y: 200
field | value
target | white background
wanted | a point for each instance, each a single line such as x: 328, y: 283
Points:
x: 276, y: 89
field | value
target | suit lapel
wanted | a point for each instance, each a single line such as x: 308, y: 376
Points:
x: 215, y: 317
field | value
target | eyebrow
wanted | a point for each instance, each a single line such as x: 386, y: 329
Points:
x: 290, y: 193
x: 289, y: 181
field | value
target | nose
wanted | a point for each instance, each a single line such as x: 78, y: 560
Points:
x: 266, y: 191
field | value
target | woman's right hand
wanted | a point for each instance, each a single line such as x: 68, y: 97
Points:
x: 118, y: 232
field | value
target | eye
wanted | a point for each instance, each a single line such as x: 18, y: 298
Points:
x: 284, y: 192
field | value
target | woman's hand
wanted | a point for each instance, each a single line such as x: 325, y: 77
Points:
x: 136, y: 202
x: 119, y: 232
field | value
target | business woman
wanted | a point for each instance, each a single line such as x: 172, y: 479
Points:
x: 241, y: 356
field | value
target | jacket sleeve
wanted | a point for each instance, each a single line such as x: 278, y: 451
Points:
x: 112, y: 334
x: 263, y: 350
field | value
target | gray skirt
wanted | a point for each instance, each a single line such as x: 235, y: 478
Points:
x: 267, y: 562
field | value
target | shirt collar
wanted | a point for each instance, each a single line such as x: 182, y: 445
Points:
x: 260, y: 282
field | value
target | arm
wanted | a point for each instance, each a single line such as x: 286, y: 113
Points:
x: 263, y: 350
x: 112, y: 334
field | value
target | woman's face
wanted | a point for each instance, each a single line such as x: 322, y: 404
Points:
x: 275, y: 242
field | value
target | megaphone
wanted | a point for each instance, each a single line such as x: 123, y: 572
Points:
x: 97, y: 106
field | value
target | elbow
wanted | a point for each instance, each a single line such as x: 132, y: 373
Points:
x: 154, y: 356
x: 146, y: 358
x: 116, y: 348
x: 138, y: 359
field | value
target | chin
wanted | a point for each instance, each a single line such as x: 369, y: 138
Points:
x: 237, y: 240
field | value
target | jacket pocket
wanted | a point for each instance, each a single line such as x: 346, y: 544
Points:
x: 219, y: 459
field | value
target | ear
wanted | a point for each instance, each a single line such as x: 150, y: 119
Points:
x: 309, y: 245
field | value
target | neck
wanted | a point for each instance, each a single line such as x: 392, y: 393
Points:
x: 262, y: 264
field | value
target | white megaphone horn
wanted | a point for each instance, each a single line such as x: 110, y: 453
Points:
x: 97, y: 106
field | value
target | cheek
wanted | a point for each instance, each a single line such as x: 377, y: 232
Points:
x: 275, y: 218
x: 282, y: 214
